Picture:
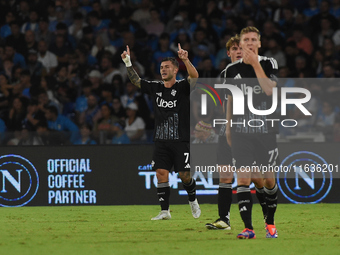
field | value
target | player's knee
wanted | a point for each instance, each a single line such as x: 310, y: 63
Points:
x: 162, y: 175
x: 184, y: 176
x: 226, y: 180
x: 243, y: 182
x: 258, y: 182
x: 269, y: 183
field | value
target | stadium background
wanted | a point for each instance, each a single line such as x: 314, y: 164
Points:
x: 85, y: 79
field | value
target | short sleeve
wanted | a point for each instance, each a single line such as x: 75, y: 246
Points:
x: 271, y: 69
x: 148, y: 87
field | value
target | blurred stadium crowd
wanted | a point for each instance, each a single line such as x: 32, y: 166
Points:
x: 63, y: 82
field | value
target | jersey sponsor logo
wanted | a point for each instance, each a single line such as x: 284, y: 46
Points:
x: 173, y: 92
x: 159, y: 94
x: 165, y: 104
x: 256, y: 89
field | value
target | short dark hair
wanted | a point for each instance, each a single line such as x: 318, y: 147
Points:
x: 172, y: 60
x: 53, y: 109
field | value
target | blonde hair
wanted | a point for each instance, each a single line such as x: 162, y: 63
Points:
x: 247, y: 30
x: 233, y: 40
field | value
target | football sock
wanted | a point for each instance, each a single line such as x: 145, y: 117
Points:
x: 260, y: 196
x: 271, y: 200
x: 191, y: 189
x: 245, y: 204
x: 224, y: 200
x: 163, y: 193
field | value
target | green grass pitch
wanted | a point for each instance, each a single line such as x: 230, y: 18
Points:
x: 302, y: 229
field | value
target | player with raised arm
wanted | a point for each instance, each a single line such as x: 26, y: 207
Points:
x: 256, y: 142
x: 224, y: 158
x: 172, y: 126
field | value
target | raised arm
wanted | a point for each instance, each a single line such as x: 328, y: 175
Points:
x: 132, y: 74
x: 192, y: 72
x: 266, y: 84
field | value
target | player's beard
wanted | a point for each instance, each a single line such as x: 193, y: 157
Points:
x: 169, y: 78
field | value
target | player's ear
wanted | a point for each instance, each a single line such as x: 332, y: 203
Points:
x: 259, y: 44
x: 228, y: 53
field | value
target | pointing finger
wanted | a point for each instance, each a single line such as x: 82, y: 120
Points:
x: 128, y: 49
x: 179, y: 46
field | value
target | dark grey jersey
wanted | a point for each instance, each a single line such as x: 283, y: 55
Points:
x: 243, y: 76
x: 172, y: 110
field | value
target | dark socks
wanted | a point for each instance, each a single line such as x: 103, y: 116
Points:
x: 191, y: 189
x: 262, y: 200
x: 163, y: 193
x: 245, y: 205
x: 271, y: 200
x: 224, y: 200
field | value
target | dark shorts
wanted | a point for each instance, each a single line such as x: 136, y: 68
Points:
x: 171, y: 154
x: 260, y: 148
x: 224, y: 156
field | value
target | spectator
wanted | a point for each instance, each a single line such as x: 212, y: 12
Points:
x: 43, y: 33
x: 155, y: 26
x: 5, y: 92
x: 28, y: 138
x: 34, y: 115
x: 16, y: 39
x: 118, y: 109
x: 34, y: 66
x: 31, y: 44
x: 302, y: 42
x: 101, y: 46
x: 326, y: 120
x: 15, y: 57
x: 131, y: 94
x: 107, y: 94
x: 275, y: 52
x: 17, y: 114
x: 5, y: 30
x: 76, y: 29
x: 96, y: 23
x: 108, y: 70
x: 47, y: 58
x: 49, y: 137
x: 204, y: 133
x: 81, y: 101
x: 134, y: 125
x: 312, y: 9
x: 104, y: 127
x: 315, y: 21
x: 60, y: 49
x: 85, y: 133
x: 32, y: 24
x: 142, y: 15
x: 59, y: 122
x: 92, y: 114
x: 120, y: 137
x: 164, y: 51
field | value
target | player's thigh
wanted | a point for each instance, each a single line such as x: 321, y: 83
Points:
x: 162, y: 157
x: 243, y: 152
x: 267, y: 153
x: 181, y: 153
